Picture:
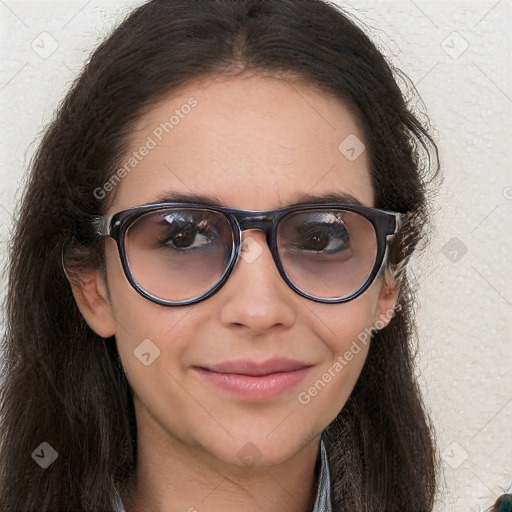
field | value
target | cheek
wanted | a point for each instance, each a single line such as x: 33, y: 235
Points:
x: 151, y: 351
x: 144, y: 329
x: 346, y: 330
x: 338, y: 325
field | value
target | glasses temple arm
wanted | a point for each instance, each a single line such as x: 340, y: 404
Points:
x: 402, y: 219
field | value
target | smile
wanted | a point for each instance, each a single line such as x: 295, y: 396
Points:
x: 255, y: 382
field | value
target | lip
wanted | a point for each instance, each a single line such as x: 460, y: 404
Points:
x: 257, y: 368
x: 255, y: 380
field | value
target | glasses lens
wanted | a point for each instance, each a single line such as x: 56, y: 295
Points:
x: 177, y: 255
x: 328, y: 254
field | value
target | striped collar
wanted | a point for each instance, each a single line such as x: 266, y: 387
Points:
x: 323, y: 494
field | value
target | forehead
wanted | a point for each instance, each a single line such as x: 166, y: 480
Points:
x: 253, y: 142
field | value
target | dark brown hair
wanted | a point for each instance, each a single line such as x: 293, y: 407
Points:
x: 65, y: 385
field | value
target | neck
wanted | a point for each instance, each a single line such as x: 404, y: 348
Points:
x: 174, y: 476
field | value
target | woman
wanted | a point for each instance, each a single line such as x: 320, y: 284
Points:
x: 160, y: 356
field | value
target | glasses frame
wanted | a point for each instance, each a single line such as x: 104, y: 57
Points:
x: 115, y: 226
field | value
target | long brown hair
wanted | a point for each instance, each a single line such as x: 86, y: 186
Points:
x: 65, y: 386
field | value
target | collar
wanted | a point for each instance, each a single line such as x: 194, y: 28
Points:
x: 323, y: 494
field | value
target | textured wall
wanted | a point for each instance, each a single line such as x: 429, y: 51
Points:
x: 456, y: 54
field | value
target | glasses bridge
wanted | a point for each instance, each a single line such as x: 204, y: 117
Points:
x: 262, y: 222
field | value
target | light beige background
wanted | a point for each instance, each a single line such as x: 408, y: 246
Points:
x: 458, y: 55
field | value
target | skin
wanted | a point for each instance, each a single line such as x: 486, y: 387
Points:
x: 255, y: 142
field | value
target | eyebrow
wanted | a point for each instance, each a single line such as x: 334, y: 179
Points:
x: 212, y: 200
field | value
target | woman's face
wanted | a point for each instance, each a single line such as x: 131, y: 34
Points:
x: 254, y: 143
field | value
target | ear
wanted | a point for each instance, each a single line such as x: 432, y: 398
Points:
x: 386, y: 305
x: 91, y: 295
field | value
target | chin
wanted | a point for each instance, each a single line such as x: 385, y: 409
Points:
x: 258, y: 450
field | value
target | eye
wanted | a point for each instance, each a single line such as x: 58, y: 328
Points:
x: 323, y: 237
x: 185, y: 236
x: 317, y: 233
x: 181, y: 237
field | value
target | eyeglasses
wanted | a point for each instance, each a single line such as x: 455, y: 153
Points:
x: 182, y: 253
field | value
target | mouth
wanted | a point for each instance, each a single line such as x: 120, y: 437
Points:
x: 252, y: 380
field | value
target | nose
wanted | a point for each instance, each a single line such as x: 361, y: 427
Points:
x: 255, y: 295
